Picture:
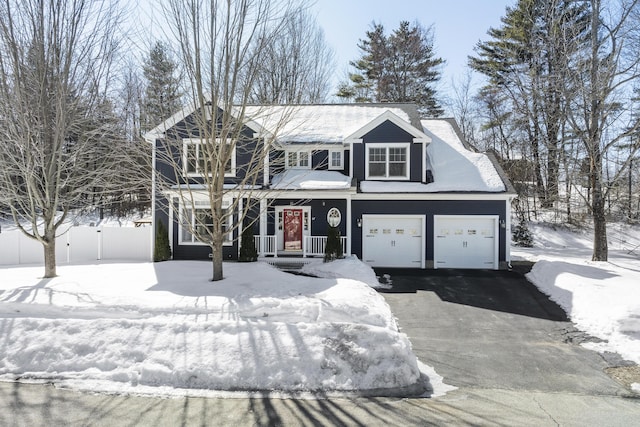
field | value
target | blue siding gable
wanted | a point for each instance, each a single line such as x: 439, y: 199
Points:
x: 389, y: 132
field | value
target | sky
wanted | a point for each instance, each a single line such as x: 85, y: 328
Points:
x: 458, y: 26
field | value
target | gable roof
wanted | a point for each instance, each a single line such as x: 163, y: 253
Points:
x: 418, y: 135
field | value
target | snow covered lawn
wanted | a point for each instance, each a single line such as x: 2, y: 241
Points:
x: 165, y: 329
x: 601, y: 298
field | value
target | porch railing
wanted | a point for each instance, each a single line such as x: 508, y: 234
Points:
x: 266, y: 245
x: 311, y: 245
x: 315, y: 245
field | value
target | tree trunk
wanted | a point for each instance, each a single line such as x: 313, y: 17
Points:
x: 216, y: 256
x: 600, y: 246
x: 50, y: 258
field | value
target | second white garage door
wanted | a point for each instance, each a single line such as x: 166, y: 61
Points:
x: 393, y: 240
x: 465, y: 241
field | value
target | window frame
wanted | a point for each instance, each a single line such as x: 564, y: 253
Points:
x: 387, y: 146
x: 288, y: 155
x: 190, y: 210
x: 197, y: 142
x: 330, y: 160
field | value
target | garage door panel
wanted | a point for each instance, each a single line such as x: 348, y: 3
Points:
x: 466, y: 242
x: 392, y: 241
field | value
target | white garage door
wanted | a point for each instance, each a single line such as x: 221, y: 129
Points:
x: 393, y: 241
x: 465, y: 241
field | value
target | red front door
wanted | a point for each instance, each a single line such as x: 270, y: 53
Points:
x: 293, y: 229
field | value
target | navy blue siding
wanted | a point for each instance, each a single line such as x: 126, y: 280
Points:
x: 187, y: 128
x: 429, y: 208
x: 388, y: 132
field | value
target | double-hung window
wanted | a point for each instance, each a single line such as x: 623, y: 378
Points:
x: 200, y: 157
x: 335, y: 159
x: 387, y: 161
x: 198, y: 225
x: 298, y: 160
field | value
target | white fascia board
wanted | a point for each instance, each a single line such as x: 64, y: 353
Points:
x: 418, y: 135
x: 432, y: 196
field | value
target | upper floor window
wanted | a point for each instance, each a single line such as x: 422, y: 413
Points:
x: 298, y: 160
x: 199, y: 157
x: 387, y: 161
x: 335, y: 159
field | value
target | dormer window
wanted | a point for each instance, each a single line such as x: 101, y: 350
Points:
x: 387, y: 161
x: 298, y: 160
x: 335, y: 159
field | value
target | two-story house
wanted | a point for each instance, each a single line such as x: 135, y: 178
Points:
x: 404, y: 192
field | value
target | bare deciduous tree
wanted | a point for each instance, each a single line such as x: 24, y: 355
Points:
x: 601, y: 112
x: 215, y: 161
x: 55, y: 116
x: 296, y: 67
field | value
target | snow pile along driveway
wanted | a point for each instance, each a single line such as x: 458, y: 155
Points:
x: 159, y: 328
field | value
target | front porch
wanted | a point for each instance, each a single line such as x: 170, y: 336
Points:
x: 312, y: 246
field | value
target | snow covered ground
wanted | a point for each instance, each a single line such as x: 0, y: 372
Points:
x: 602, y: 298
x: 164, y: 329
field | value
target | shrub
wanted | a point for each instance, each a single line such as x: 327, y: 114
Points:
x: 248, y: 252
x: 162, y: 250
x: 333, y: 249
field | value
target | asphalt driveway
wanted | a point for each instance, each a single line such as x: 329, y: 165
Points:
x: 495, y: 330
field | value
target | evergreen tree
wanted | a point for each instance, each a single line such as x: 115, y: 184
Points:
x: 162, y: 94
x: 248, y: 252
x: 161, y: 250
x: 333, y: 248
x: 525, y: 60
x: 400, y: 67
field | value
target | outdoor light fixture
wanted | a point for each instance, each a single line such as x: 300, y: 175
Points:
x: 359, y: 222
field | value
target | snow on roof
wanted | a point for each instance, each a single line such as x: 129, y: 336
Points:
x: 329, y: 123
x: 454, y: 167
x: 297, y: 179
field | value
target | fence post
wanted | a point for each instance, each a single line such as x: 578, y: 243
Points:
x: 99, y: 231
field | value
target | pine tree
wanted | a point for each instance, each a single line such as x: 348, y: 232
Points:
x: 162, y: 94
x: 333, y: 248
x: 400, y: 67
x: 161, y: 250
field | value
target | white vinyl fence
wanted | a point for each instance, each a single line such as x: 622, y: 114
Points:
x: 78, y: 245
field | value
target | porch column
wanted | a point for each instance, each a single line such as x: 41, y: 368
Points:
x: 349, y: 229
x: 263, y: 224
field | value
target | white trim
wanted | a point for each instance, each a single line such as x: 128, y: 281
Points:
x: 432, y: 196
x: 306, y: 211
x: 330, y: 165
x: 387, y: 146
x: 198, y: 142
x: 349, y: 220
x: 418, y: 135
x: 154, y: 201
x: 204, y: 205
x: 507, y: 231
x: 423, y: 224
x: 496, y: 234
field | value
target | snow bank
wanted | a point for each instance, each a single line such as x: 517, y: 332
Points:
x: 601, y: 298
x: 158, y: 328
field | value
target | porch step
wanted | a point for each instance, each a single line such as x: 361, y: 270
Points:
x: 286, y: 264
